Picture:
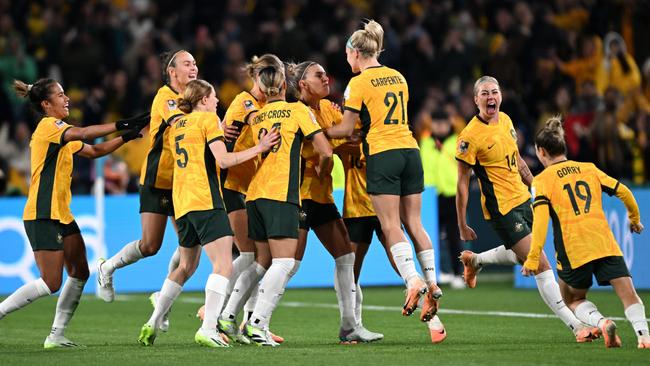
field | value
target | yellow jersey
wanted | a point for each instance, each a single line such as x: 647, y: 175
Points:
x: 491, y: 151
x: 573, y: 192
x: 278, y: 176
x: 356, y: 201
x: 238, y: 177
x: 380, y: 95
x: 51, y: 160
x: 158, y: 167
x: 313, y: 188
x: 196, y: 174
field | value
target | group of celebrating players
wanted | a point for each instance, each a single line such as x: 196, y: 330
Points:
x: 261, y: 179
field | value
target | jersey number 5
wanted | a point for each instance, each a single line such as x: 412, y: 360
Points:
x: 584, y: 196
x: 181, y: 151
x: 390, y: 100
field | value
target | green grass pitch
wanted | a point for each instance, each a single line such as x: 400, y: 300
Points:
x: 308, y: 319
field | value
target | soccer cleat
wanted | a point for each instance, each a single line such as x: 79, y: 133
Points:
x: 587, y: 334
x: 612, y: 339
x: 53, y: 341
x: 358, y: 334
x: 644, y: 342
x: 431, y: 303
x: 413, y: 293
x: 259, y: 336
x: 147, y: 335
x: 229, y: 329
x: 436, y: 330
x: 164, y: 325
x: 105, y: 289
x: 469, y: 270
x: 276, y: 338
x: 210, y: 338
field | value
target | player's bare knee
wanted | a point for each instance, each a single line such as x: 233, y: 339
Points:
x: 80, y: 273
x: 148, y: 248
x: 53, y: 283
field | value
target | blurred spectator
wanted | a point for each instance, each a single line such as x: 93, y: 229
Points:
x: 440, y: 171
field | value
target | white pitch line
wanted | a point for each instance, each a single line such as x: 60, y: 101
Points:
x: 298, y: 304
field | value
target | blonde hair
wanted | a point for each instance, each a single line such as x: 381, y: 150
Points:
x: 270, y: 80
x: 258, y: 63
x: 484, y: 79
x: 551, y: 137
x: 194, y: 92
x: 369, y: 40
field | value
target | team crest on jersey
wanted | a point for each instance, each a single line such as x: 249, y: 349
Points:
x: 248, y: 105
x: 59, y: 123
x: 463, y: 146
x: 513, y: 133
x: 171, y: 104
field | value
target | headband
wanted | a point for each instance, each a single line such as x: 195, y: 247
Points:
x: 305, y: 70
x: 172, y: 58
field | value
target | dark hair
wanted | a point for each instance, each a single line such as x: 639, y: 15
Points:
x: 551, y: 137
x: 439, y: 115
x: 194, y: 92
x: 37, y: 92
x: 167, y: 60
x: 295, y: 73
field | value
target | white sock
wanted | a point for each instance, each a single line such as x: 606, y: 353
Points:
x: 215, y: 295
x: 403, y: 257
x: 168, y: 294
x: 249, y: 307
x: 358, y: 305
x: 25, y: 295
x: 635, y: 313
x: 174, y: 261
x: 427, y: 261
x: 498, y: 255
x: 67, y: 304
x: 294, y: 270
x: 239, y: 265
x: 271, y: 290
x: 587, y: 313
x: 345, y: 290
x: 130, y: 253
x: 550, y: 292
x: 243, y: 289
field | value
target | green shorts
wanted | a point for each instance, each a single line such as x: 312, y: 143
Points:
x: 156, y: 200
x: 233, y: 200
x: 605, y: 269
x: 44, y: 234
x: 515, y: 225
x: 317, y: 214
x: 268, y: 219
x: 360, y: 229
x: 397, y: 172
x: 202, y: 227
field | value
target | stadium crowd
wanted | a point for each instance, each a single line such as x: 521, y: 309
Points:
x: 586, y: 60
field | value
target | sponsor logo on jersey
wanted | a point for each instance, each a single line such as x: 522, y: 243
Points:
x: 248, y: 105
x: 171, y: 104
x: 59, y: 123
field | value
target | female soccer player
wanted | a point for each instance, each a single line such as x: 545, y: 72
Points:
x: 310, y: 84
x: 570, y: 193
x: 273, y: 197
x: 488, y: 145
x: 199, y: 208
x: 246, y: 272
x: 378, y: 96
x: 49, y: 224
x: 156, y: 175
